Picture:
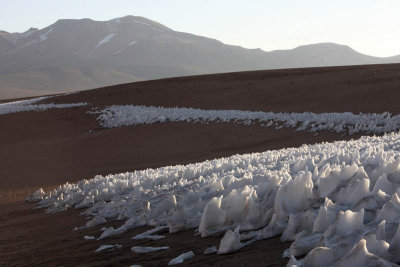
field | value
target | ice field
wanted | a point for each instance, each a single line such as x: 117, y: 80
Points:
x: 338, y: 203
x: 117, y: 116
x: 29, y: 105
x: 129, y: 115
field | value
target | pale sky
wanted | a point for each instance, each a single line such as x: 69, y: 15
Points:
x: 369, y: 26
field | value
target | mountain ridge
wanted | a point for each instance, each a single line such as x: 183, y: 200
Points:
x: 78, y: 54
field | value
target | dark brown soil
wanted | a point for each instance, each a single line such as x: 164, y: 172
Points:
x: 31, y: 237
x: 368, y: 89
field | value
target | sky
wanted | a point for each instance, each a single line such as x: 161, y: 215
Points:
x: 368, y: 26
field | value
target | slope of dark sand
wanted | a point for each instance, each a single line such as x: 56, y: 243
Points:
x: 368, y: 89
x: 52, y: 147
x: 36, y: 243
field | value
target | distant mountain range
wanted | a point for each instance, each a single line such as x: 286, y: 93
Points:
x: 72, y: 55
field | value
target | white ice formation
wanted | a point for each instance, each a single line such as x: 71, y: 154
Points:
x: 210, y: 250
x: 181, y: 258
x: 337, y: 202
x: 117, y: 116
x: 147, y: 249
x: 230, y: 242
x: 29, y: 105
x: 152, y: 234
x: 108, y: 247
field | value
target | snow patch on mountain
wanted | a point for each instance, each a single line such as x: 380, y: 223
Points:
x: 105, y: 40
x: 119, y: 51
x: 122, y: 49
x: 43, y: 37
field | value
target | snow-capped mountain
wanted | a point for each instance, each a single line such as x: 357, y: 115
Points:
x: 81, y: 54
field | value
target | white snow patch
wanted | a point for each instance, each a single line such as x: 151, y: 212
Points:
x: 124, y: 48
x: 354, y: 218
x: 117, y: 116
x: 105, y: 40
x: 119, y: 51
x: 89, y: 237
x: 41, y: 38
x: 29, y: 105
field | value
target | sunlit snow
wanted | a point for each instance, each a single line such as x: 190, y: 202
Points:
x: 338, y: 203
x: 117, y: 116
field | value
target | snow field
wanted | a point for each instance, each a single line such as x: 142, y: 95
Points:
x: 29, y: 105
x: 337, y: 202
x: 117, y: 116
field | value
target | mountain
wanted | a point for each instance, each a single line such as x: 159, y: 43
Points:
x: 72, y: 55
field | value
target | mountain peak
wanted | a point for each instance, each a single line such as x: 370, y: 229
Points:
x: 32, y: 29
x: 327, y: 45
x: 68, y: 21
x: 130, y: 19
